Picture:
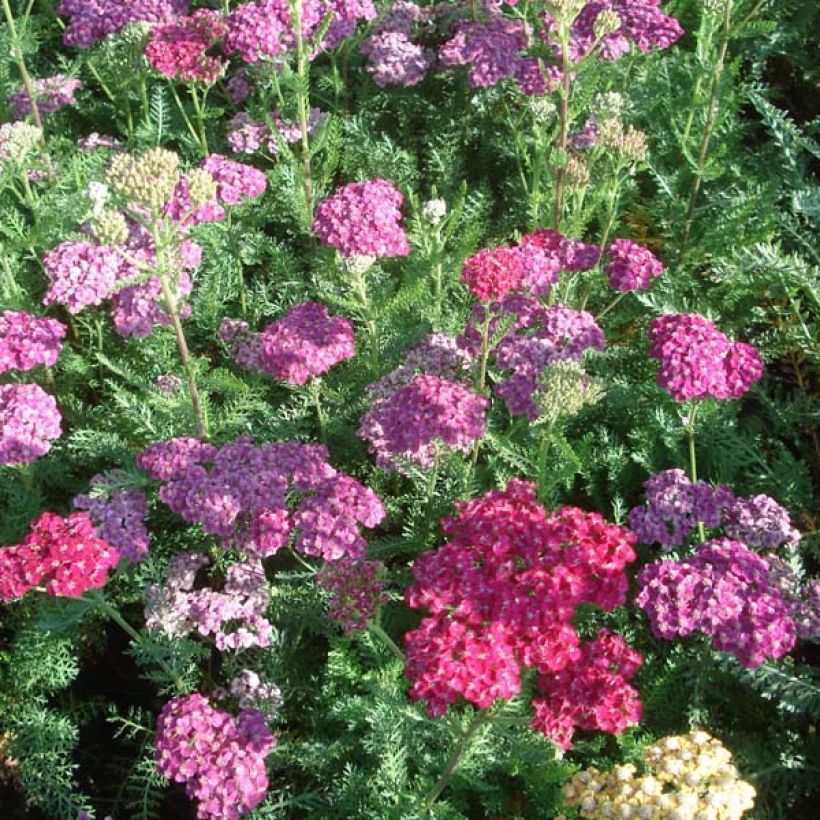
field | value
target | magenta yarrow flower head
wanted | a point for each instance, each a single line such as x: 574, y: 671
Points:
x: 29, y: 422
x: 697, y: 361
x: 27, y: 341
x: 412, y: 424
x: 218, y: 756
x: 118, y: 513
x: 760, y: 522
x: 51, y: 94
x: 179, y: 48
x: 305, y: 342
x: 630, y: 266
x: 80, y: 274
x: 724, y: 591
x: 235, y: 181
x: 93, y: 20
x: 363, y: 219
x: 500, y: 596
x: 63, y: 555
x: 355, y: 592
x: 245, y: 493
x: 235, y: 614
x: 803, y: 599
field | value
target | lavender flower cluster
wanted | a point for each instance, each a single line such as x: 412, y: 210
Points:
x: 118, y: 514
x: 724, y: 591
x: 27, y: 341
x: 411, y: 424
x: 240, y: 492
x: 50, y: 93
x: 305, y: 342
x: 218, y: 756
x: 234, y: 615
x: 248, y: 136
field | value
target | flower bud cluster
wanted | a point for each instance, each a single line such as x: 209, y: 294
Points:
x: 563, y: 390
x: 243, y: 493
x: 688, y: 777
x: 63, y: 555
x: 251, y: 692
x: 218, y: 756
x: 148, y: 180
x: 500, y: 596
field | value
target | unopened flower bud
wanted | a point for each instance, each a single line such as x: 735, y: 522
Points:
x: 148, y: 180
x: 434, y: 210
x: 358, y: 265
x: 109, y: 227
x: 607, y: 22
x: 201, y: 187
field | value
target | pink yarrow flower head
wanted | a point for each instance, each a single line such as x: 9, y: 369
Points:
x: 305, y: 342
x: 51, y: 94
x: 411, y: 424
x: 724, y: 591
x: 118, y: 514
x: 80, y: 274
x: 27, y: 341
x: 760, y: 522
x: 93, y: 20
x: 697, y: 361
x: 493, y: 273
x: 219, y: 757
x: 630, y: 266
x: 63, y: 555
x: 235, y: 181
x: 179, y: 48
x: 355, y: 590
x: 29, y: 422
x: 500, y: 596
x: 257, y: 497
x: 363, y: 219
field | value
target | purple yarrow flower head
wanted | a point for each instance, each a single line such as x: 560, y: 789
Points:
x: 355, y: 591
x: 51, y: 94
x: 697, y: 361
x: 414, y: 422
x: 674, y: 506
x: 27, y: 341
x: 95, y: 141
x: 93, y: 20
x: 585, y: 137
x: 29, y: 422
x: 218, y: 756
x: 363, y: 219
x: 305, y: 342
x: 80, y: 274
x: 239, y: 86
x: 178, y: 49
x: 572, y: 254
x: 760, y: 522
x: 248, y: 136
x: 724, y: 591
x: 630, y: 266
x: 535, y: 79
x: 118, y: 514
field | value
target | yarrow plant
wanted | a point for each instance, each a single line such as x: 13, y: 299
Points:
x: 29, y: 421
x: 27, y: 341
x: 500, y: 596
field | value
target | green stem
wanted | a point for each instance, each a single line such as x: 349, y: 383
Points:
x: 482, y: 369
x: 199, y: 110
x: 541, y: 464
x: 563, y: 119
x: 302, y: 561
x: 25, y: 77
x: 193, y: 132
x: 611, y: 305
x: 708, y: 128
x: 302, y: 104
x: 455, y: 760
x: 378, y: 631
x: 315, y: 394
x: 360, y: 289
x: 693, y: 463
x: 146, y: 109
x: 431, y: 484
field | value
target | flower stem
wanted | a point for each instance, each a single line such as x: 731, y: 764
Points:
x: 199, y: 110
x: 455, y: 760
x: 611, y: 305
x: 378, y: 631
x: 193, y: 132
x: 315, y: 394
x: 360, y: 289
x: 541, y: 465
x: 693, y: 463
x: 708, y: 128
x: 563, y: 120
x: 302, y: 104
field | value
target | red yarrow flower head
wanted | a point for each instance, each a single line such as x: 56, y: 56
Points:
x: 493, y: 272
x: 363, y: 219
x: 697, y: 361
x: 64, y: 555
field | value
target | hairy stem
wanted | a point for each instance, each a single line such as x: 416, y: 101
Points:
x: 708, y: 128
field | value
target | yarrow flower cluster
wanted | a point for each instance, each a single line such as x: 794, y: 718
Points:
x: 17, y: 141
x: 305, y: 342
x: 218, y: 756
x: 501, y: 594
x: 234, y: 614
x: 724, y: 591
x: 631, y: 266
x: 251, y: 692
x: 29, y: 422
x: 394, y: 55
x: 355, y: 589
x: 697, y: 361
x: 93, y: 20
x: 675, y: 505
x: 688, y: 777
x: 803, y: 599
x: 248, y: 136
x: 235, y: 181
x: 412, y: 423
x: 363, y: 219
x: 179, y: 48
x: 118, y: 514
x: 50, y: 93
x: 80, y: 274
x: 27, y: 341
x: 63, y: 555
x: 240, y: 492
